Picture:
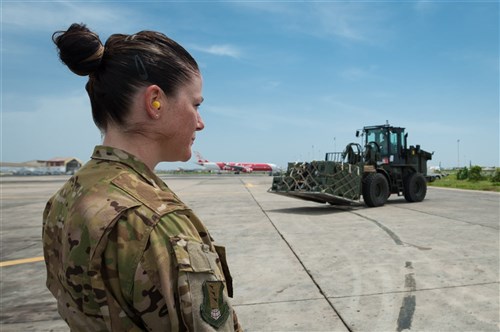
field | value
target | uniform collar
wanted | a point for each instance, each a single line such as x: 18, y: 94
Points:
x: 108, y: 153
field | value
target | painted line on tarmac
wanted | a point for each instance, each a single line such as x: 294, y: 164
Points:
x: 22, y: 261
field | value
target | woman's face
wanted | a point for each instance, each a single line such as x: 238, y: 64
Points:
x: 181, y: 121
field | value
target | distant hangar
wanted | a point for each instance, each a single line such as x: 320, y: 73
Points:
x: 58, y: 165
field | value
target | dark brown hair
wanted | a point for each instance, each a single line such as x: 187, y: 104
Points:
x: 124, y: 64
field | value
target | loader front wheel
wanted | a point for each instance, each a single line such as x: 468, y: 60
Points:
x: 375, y: 189
x: 415, y: 187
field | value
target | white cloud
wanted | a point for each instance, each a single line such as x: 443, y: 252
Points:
x: 350, y: 21
x: 341, y: 21
x: 220, y: 50
x: 360, y: 22
x: 271, y: 7
x: 271, y: 85
x: 425, y: 6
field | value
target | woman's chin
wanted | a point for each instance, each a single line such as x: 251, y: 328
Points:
x: 187, y: 156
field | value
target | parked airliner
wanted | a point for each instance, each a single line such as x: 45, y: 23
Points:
x: 236, y: 167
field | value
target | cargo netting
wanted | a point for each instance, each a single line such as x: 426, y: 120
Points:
x: 321, y: 181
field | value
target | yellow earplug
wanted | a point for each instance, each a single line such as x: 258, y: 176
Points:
x: 156, y: 104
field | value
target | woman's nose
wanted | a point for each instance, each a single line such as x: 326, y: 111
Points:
x: 200, y: 124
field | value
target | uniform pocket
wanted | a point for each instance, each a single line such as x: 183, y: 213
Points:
x: 202, y: 288
x: 194, y: 256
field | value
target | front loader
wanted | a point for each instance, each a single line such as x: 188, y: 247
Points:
x: 385, y: 165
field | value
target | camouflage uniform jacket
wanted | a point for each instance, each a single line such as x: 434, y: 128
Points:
x: 123, y: 253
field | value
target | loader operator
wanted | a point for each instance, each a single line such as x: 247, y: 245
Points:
x: 122, y: 252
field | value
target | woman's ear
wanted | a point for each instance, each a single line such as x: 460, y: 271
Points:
x: 153, y: 99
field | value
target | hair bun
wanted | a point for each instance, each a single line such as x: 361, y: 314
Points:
x: 79, y: 48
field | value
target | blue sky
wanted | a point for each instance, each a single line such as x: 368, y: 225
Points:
x: 283, y: 80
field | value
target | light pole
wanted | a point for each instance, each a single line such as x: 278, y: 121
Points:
x: 458, y: 153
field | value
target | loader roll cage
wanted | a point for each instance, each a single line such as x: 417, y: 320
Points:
x: 389, y: 142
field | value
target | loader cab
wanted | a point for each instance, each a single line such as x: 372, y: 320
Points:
x: 389, y: 141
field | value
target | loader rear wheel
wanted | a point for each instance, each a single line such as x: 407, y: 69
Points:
x: 375, y: 189
x: 415, y: 187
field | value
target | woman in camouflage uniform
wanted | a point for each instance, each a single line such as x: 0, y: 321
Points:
x: 123, y: 253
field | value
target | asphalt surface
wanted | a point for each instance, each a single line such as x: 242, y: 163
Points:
x: 298, y: 265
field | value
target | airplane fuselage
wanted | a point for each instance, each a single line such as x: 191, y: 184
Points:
x: 245, y: 167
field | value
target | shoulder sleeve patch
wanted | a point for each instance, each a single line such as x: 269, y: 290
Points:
x: 161, y: 202
x: 214, y: 310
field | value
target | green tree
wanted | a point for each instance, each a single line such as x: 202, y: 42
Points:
x: 463, y: 174
x: 475, y: 173
x: 496, y: 177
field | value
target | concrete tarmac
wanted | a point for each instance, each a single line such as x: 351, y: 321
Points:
x: 298, y: 265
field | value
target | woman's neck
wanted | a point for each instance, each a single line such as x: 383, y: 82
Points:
x: 137, y: 145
